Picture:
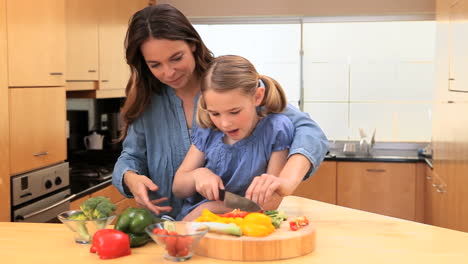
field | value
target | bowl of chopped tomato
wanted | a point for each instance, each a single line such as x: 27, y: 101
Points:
x: 179, y: 238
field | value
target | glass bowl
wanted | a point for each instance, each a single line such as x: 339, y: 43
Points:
x: 84, y: 230
x: 179, y: 240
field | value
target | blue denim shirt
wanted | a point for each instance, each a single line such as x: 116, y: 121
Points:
x: 158, y: 140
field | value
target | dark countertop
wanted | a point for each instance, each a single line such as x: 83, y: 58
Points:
x: 381, y: 152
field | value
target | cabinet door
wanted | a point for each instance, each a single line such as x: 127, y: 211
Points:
x: 82, y: 39
x: 113, y: 23
x: 37, y: 127
x: 36, y: 43
x: 4, y: 120
x: 458, y: 41
x: 435, y: 202
x: 383, y: 188
x: 321, y: 186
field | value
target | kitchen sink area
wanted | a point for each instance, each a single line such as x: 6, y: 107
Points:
x: 380, y: 152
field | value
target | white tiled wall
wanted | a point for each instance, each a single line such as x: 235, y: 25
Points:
x: 328, y: 80
x: 383, y: 72
x: 274, y: 49
x: 393, y: 121
x: 356, y: 75
x: 332, y: 118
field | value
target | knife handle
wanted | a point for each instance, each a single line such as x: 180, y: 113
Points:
x: 221, y: 194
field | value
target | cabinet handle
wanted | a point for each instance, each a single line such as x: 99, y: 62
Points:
x: 91, y: 70
x: 451, y: 79
x: 428, y: 177
x: 56, y: 73
x: 375, y: 170
x: 104, y: 80
x: 440, y: 190
x: 41, y: 154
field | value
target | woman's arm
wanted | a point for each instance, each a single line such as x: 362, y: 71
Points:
x: 132, y: 158
x: 130, y: 170
x: 184, y: 183
x: 309, y: 141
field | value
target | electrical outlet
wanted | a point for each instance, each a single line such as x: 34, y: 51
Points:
x: 104, y: 122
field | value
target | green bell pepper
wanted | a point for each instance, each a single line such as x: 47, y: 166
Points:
x: 133, y: 222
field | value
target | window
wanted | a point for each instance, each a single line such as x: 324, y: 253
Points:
x: 355, y: 74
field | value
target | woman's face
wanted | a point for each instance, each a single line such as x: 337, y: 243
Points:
x: 233, y: 112
x: 171, y: 61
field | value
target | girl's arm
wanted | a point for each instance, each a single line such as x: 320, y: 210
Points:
x: 191, y: 177
x: 264, y: 189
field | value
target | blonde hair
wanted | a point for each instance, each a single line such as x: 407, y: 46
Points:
x: 226, y: 73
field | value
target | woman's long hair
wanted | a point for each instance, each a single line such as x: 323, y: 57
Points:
x: 161, y: 21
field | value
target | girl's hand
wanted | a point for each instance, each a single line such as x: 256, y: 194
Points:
x: 139, y: 186
x: 262, y: 188
x: 207, y: 183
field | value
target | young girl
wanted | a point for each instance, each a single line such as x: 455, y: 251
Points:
x: 238, y: 138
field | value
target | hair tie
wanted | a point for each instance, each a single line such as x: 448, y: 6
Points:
x: 260, y: 83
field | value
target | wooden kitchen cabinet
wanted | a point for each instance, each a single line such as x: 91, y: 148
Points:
x: 82, y: 18
x: 379, y: 187
x: 37, y: 127
x: 102, y: 60
x: 110, y: 192
x: 4, y: 122
x: 36, y: 43
x: 115, y: 15
x: 321, y: 186
x: 435, y: 200
x: 458, y: 41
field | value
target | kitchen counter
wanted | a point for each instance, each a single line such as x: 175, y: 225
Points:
x: 344, y: 235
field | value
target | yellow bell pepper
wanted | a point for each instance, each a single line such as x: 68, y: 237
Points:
x: 254, y: 224
x: 257, y: 225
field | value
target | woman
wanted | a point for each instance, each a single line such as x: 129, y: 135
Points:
x: 167, y: 59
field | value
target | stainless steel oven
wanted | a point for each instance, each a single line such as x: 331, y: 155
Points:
x: 39, y: 196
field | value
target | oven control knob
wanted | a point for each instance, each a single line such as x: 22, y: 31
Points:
x: 48, y: 184
x: 58, y: 181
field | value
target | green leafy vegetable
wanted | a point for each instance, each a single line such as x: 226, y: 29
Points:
x: 277, y: 217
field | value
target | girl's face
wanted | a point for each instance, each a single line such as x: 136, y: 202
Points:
x: 171, y: 61
x: 233, y: 112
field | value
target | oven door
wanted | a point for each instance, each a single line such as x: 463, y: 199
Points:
x: 44, y: 210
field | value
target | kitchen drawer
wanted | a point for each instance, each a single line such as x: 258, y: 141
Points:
x: 379, y: 187
x: 321, y: 186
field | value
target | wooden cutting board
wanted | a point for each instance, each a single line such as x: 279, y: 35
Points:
x: 281, y: 244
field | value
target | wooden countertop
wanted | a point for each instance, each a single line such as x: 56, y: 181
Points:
x: 343, y: 236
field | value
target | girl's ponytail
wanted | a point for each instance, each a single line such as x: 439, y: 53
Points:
x: 274, y: 100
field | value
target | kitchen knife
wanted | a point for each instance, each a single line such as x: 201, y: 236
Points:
x: 235, y: 201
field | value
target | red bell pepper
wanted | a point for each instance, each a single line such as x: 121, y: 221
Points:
x: 298, y: 222
x: 110, y: 243
x: 293, y: 226
x: 235, y: 213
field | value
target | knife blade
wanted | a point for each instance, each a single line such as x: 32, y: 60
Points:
x: 235, y: 201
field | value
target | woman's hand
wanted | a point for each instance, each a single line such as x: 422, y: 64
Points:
x: 207, y: 183
x: 139, y: 186
x: 263, y: 188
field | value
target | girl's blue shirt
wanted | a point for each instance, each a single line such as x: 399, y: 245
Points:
x: 158, y: 140
x: 237, y: 164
